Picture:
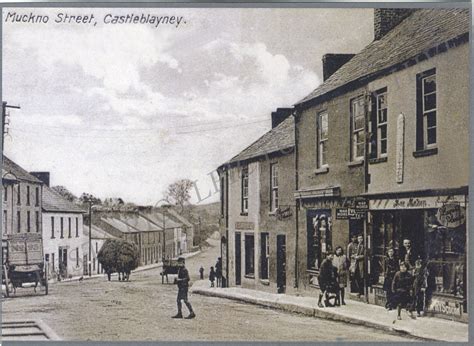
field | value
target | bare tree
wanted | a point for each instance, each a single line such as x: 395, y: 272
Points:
x: 178, y: 193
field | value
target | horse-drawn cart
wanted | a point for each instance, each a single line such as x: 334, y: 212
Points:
x: 170, y: 266
x: 23, y: 262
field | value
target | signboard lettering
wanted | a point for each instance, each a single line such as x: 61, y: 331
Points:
x: 451, y: 215
x: 445, y: 307
x: 349, y: 214
x: 283, y: 213
x: 244, y: 225
x: 431, y: 202
x: 342, y: 214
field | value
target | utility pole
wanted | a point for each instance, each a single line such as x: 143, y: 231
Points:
x: 163, y: 246
x: 89, y: 264
x: 199, y: 231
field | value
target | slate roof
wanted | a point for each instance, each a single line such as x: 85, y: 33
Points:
x: 97, y: 232
x: 11, y: 167
x: 54, y: 202
x: 157, y: 218
x: 181, y: 218
x: 418, y: 33
x: 119, y: 225
x: 139, y: 222
x: 279, y: 138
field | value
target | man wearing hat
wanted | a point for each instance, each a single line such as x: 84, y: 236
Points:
x: 183, y: 283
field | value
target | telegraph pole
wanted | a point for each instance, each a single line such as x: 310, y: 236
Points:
x: 163, y: 246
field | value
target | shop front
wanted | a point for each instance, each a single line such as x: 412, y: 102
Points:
x: 436, y: 228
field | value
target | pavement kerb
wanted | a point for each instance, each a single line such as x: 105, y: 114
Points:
x: 308, y: 311
x: 139, y: 269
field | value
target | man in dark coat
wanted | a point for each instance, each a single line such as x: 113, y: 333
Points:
x: 408, y: 254
x: 183, y: 284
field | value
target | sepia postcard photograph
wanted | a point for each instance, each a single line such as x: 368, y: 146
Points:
x: 235, y: 173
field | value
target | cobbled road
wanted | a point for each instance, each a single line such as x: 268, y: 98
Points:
x: 141, y: 310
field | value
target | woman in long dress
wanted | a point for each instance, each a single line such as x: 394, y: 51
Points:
x: 341, y: 262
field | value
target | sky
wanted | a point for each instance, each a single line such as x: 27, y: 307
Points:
x: 124, y: 110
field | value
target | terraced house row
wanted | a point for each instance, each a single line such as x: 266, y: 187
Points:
x: 379, y: 149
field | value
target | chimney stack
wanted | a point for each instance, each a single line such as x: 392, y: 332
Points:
x: 385, y: 19
x: 333, y: 62
x: 43, y: 176
x: 279, y: 115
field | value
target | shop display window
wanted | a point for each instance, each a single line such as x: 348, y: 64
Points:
x: 319, y: 237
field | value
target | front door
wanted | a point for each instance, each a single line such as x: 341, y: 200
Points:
x: 63, y: 262
x: 281, y: 263
x: 238, y: 259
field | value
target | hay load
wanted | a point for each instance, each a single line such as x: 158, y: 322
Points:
x: 119, y: 256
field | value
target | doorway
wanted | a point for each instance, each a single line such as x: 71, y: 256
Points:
x: 281, y: 263
x: 63, y: 262
x: 238, y: 259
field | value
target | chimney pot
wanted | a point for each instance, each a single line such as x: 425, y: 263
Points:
x: 280, y: 115
x: 385, y: 19
x: 43, y: 176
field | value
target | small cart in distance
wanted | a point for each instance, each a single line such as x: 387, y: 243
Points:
x: 170, y: 266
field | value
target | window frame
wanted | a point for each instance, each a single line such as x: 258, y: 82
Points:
x: 28, y: 221
x: 422, y: 146
x: 37, y: 197
x: 274, y: 196
x: 69, y: 233
x: 37, y: 221
x: 53, y: 236
x: 434, y: 110
x: 18, y: 220
x: 77, y: 227
x: 18, y: 195
x: 245, y: 190
x: 320, y: 141
x: 359, y: 131
x: 62, y: 228
x: 28, y: 195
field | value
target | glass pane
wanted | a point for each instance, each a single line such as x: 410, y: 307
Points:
x: 431, y: 119
x: 382, y: 102
x: 382, y: 116
x: 383, y: 147
x: 383, y: 132
x: 429, y: 84
x: 323, y: 151
x: 359, y: 123
x: 432, y: 135
x: 430, y: 102
x: 360, y: 150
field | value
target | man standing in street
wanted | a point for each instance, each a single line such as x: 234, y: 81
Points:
x: 183, y: 284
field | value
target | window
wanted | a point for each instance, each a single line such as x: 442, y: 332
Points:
x: 222, y: 196
x: 5, y: 193
x: 245, y: 190
x: 322, y: 139
x: 274, y: 186
x: 69, y: 234
x: 52, y: 227
x: 77, y: 257
x: 62, y: 228
x: 378, y: 124
x: 264, y: 255
x: 28, y: 221
x: 77, y: 227
x: 27, y: 195
x: 357, y: 128
x: 37, y: 221
x: 5, y: 214
x: 18, y: 195
x: 37, y: 203
x: 18, y: 220
x: 249, y: 255
x: 52, y: 260
x: 426, y: 110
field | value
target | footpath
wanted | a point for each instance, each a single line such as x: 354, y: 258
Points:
x: 355, y: 312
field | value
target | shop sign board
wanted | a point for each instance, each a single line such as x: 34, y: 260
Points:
x: 451, y: 215
x: 361, y: 205
x: 445, y: 307
x: 244, y: 225
x: 431, y: 202
x: 349, y: 214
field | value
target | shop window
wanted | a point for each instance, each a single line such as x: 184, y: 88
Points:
x: 245, y: 190
x: 322, y: 139
x: 249, y: 255
x: 264, y: 255
x: 319, y: 237
x: 357, y: 129
x: 274, y: 186
x: 426, y: 121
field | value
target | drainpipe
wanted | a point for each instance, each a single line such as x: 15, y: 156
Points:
x: 297, y: 204
x: 227, y: 225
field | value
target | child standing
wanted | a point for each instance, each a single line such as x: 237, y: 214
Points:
x: 212, y: 276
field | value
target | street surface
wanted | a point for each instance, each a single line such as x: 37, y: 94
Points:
x: 140, y: 310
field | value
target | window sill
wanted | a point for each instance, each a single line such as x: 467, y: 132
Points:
x: 265, y: 282
x: 425, y: 152
x: 249, y: 276
x: 321, y: 170
x: 377, y: 160
x: 244, y: 214
x: 355, y: 163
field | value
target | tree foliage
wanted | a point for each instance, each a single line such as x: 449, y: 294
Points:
x: 86, y: 197
x: 178, y: 193
x: 64, y: 192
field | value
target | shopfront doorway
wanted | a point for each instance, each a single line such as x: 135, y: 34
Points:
x: 281, y: 263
